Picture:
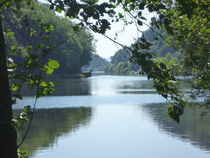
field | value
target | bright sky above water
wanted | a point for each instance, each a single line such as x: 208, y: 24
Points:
x: 107, y: 48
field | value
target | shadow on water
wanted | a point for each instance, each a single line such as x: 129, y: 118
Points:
x: 97, y: 84
x: 49, y: 124
x: 66, y: 87
x: 192, y: 127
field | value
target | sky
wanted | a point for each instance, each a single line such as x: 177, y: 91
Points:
x: 106, y: 48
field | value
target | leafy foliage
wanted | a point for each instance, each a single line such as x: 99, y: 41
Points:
x: 30, y: 41
x: 97, y: 63
x: 181, y: 22
x: 189, y: 33
x: 120, y: 63
x: 72, y: 49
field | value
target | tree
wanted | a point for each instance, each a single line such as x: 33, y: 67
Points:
x: 191, y: 36
x: 72, y: 49
x: 186, y: 25
x: 97, y: 64
x: 8, y: 136
x: 32, y: 65
x: 91, y: 14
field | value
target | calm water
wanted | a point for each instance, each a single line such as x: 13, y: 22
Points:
x: 112, y: 117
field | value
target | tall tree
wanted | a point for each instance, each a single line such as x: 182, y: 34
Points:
x: 8, y: 136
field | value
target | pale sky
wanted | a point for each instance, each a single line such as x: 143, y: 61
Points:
x: 106, y: 48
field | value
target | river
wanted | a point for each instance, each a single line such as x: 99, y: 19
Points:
x: 112, y: 117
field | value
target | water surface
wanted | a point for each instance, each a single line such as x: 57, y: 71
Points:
x: 112, y: 117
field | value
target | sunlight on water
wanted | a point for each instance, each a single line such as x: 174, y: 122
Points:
x: 112, y: 117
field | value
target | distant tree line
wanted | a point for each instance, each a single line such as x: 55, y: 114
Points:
x: 120, y: 61
x: 97, y: 63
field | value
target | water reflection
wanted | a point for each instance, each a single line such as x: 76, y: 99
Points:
x: 100, y: 85
x: 118, y: 129
x: 49, y: 124
x: 193, y: 127
x: 121, y: 132
x: 69, y: 87
x: 66, y: 87
x: 98, y: 90
x: 106, y: 85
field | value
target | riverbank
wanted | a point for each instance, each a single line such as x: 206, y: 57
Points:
x: 85, y: 74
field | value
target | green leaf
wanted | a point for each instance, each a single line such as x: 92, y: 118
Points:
x: 22, y: 154
x: 14, y: 87
x: 28, y: 48
x: 162, y: 65
x: 142, y: 5
x: 208, y: 30
x: 16, y: 123
x: 53, y: 64
x: 58, y: 10
x: 43, y: 84
x: 11, y: 33
x: 75, y: 28
x: 14, y: 48
x: 139, y: 23
x: 27, y: 109
x: 51, y: 84
x: 49, y: 71
x: 47, y: 28
x: 32, y: 32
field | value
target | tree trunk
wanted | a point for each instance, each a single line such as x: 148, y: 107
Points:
x: 8, y: 135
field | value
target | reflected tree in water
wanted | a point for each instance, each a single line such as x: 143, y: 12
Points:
x: 66, y: 87
x: 49, y: 124
x: 192, y: 127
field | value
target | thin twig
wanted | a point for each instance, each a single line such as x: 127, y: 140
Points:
x: 122, y: 52
x: 29, y: 124
x: 160, y: 35
x: 62, y: 42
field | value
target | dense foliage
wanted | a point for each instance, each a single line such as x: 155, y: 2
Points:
x: 97, y: 63
x: 121, y: 64
x: 161, y: 52
x: 72, y: 49
x: 33, y: 38
x: 178, y: 20
x: 191, y: 35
